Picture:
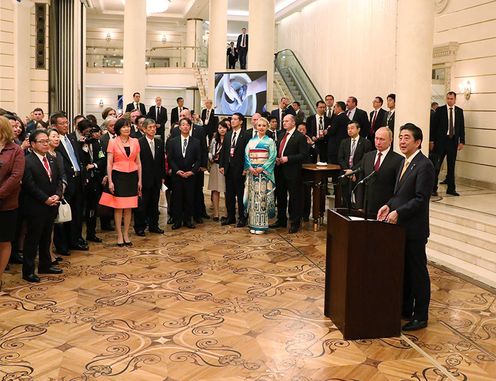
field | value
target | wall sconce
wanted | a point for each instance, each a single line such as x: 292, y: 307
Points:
x: 467, y: 90
x: 163, y: 38
x: 108, y: 37
x: 100, y: 103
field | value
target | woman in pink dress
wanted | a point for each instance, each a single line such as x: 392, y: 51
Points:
x: 124, y: 179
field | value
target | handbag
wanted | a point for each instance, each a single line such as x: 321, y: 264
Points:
x: 64, y: 214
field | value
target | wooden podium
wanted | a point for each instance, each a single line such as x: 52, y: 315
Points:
x: 364, y: 276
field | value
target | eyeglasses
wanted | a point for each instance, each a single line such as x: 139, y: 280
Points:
x: 42, y: 141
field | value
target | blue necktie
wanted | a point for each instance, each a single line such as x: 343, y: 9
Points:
x: 72, y: 155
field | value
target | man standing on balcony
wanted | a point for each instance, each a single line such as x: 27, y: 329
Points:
x: 242, y: 47
x: 232, y: 55
x: 136, y: 104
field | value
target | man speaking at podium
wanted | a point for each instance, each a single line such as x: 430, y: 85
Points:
x: 409, y: 207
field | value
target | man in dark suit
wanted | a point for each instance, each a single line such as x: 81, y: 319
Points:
x: 329, y: 106
x: 337, y: 131
x: 159, y: 114
x: 448, y: 137
x: 184, y: 158
x: 299, y: 114
x: 376, y: 118
x: 317, y: 126
x: 281, y: 111
x: 152, y: 155
x: 137, y: 127
x: 231, y: 165
x: 197, y: 131
x: 409, y: 207
x: 350, y: 154
x: 390, y: 115
x: 136, y: 104
x: 292, y: 151
x: 242, y: 48
x: 357, y: 115
x: 41, y: 193
x: 387, y: 165
x: 252, y: 132
x: 209, y: 119
x: 68, y: 235
x: 176, y: 111
x: 232, y: 55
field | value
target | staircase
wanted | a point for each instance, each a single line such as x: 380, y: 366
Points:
x: 464, y: 241
x: 201, y: 77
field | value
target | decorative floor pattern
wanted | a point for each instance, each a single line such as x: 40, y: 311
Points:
x: 217, y: 303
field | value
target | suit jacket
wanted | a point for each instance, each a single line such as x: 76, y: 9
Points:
x: 154, y: 166
x: 312, y: 125
x: 211, y: 126
x: 104, y: 141
x: 275, y: 113
x: 130, y: 107
x: 136, y: 133
x: 175, y: 115
x: 234, y: 166
x: 299, y: 117
x: 297, y: 152
x: 68, y: 167
x: 389, y: 121
x: 335, y: 134
x: 162, y: 117
x: 379, y: 122
x: 93, y: 154
x: 192, y: 159
x: 439, y: 127
x: 37, y: 186
x: 411, y: 197
x: 198, y: 133
x: 232, y: 58
x: 360, y: 116
x: 362, y: 146
x: 238, y: 44
x: 380, y: 189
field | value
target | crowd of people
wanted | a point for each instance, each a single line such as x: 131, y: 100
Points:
x: 118, y: 170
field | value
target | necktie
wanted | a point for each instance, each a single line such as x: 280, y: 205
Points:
x: 378, y: 161
x: 372, y: 126
x: 352, y: 153
x: 208, y: 117
x: 348, y: 113
x: 321, y: 126
x: 329, y: 112
x: 243, y: 41
x: 233, y: 141
x: 390, y: 114
x: 152, y: 147
x: 72, y: 155
x: 158, y: 112
x: 137, y: 105
x: 282, y: 144
x: 451, y: 130
x: 47, y: 167
x: 407, y: 163
x: 185, y: 145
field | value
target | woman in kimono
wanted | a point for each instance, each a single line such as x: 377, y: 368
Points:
x: 260, y: 159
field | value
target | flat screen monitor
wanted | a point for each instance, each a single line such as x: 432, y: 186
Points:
x: 244, y: 92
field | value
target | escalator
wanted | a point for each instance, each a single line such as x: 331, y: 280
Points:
x: 295, y: 80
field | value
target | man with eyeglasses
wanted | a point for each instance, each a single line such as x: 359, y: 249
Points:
x: 42, y: 191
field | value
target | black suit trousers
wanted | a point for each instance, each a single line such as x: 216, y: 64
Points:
x: 447, y: 148
x: 182, y: 198
x: 147, y: 212
x: 242, y: 52
x: 92, y: 194
x: 416, y: 282
x: 199, y: 206
x: 321, y: 146
x: 37, y: 240
x: 293, y: 187
x: 235, y: 188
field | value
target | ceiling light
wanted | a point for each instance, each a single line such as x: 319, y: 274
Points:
x: 156, y: 6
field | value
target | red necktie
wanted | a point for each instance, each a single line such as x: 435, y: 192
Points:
x: 47, y: 167
x: 281, y: 145
x: 378, y: 161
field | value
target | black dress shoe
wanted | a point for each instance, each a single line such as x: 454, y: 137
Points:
x: 176, y: 226
x: 452, y: 192
x: 121, y: 244
x: 278, y: 224
x: 59, y: 259
x: 140, y: 233
x: 189, y: 224
x: 170, y: 221
x: 227, y: 222
x: 128, y: 243
x: 215, y: 219
x: 31, y: 278
x: 241, y: 224
x: 205, y: 216
x: 83, y: 242
x: 294, y: 228
x: 94, y: 238
x: 16, y: 258
x: 414, y: 324
x: 50, y: 270
x: 156, y: 230
x: 434, y: 194
x: 199, y: 220
x: 79, y: 247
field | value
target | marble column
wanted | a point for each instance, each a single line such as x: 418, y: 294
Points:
x: 414, y: 43
x: 193, y: 40
x: 261, y: 29
x: 217, y: 41
x: 134, y: 74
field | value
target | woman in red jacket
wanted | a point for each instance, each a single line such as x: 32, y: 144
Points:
x: 11, y: 172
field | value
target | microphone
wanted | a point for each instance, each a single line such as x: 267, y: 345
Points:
x: 351, y: 173
x: 367, y: 178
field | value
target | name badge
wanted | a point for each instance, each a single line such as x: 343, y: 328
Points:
x: 232, y: 151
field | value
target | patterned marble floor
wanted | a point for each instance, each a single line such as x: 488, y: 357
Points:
x: 217, y: 303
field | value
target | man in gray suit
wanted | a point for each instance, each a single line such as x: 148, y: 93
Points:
x: 299, y: 114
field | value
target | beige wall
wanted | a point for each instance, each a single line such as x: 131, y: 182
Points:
x: 36, y: 93
x: 472, y: 24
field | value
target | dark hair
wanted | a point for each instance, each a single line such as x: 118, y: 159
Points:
x: 355, y: 123
x: 266, y: 114
x: 380, y: 99
x: 240, y: 116
x: 122, y: 122
x: 416, y: 131
x: 139, y: 117
x: 355, y: 101
x: 341, y: 105
x: 216, y: 133
x: 38, y: 109
x: 329, y: 95
x: 434, y: 103
x: 91, y: 118
x: 272, y: 118
x: 319, y: 102
x: 106, y: 112
x: 136, y: 93
x: 303, y: 124
x: 392, y: 96
x: 179, y: 98
x: 78, y: 117
x: 10, y: 116
x: 34, y: 135
x: 84, y: 124
x: 298, y: 103
x: 55, y: 116
x: 451, y: 93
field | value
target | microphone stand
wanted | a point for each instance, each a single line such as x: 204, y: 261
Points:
x: 365, y: 181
